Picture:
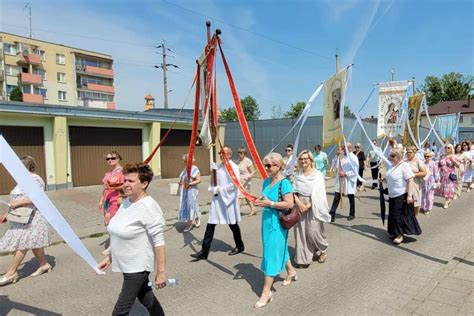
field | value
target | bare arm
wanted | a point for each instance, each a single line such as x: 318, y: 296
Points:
x: 160, y: 278
x: 21, y: 203
x: 302, y: 207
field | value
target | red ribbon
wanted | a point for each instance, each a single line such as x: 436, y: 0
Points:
x: 192, y: 141
x: 242, y: 120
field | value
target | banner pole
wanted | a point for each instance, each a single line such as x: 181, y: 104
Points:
x: 211, y: 112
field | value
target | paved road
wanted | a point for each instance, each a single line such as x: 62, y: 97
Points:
x: 364, y: 273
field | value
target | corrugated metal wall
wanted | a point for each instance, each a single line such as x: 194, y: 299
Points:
x: 267, y: 133
x: 172, y: 152
x: 24, y: 141
x: 89, y: 146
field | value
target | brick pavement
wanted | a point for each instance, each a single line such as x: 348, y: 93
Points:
x: 364, y: 273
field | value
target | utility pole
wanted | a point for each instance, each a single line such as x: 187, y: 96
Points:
x: 393, y: 73
x: 337, y: 60
x: 165, y: 66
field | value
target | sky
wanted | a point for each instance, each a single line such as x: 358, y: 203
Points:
x: 278, y: 51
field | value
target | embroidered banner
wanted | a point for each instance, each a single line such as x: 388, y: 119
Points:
x: 391, y: 96
x: 333, y: 114
x: 411, y: 135
x: 447, y: 126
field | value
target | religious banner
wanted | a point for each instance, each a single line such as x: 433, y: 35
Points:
x: 333, y: 114
x: 391, y: 95
x: 447, y: 126
x: 411, y: 134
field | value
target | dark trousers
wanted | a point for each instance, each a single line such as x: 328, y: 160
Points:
x: 335, y: 203
x: 135, y: 285
x: 361, y: 174
x: 375, y: 173
x: 209, y: 235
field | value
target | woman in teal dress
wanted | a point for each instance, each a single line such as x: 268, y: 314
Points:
x: 275, y: 257
x: 320, y: 160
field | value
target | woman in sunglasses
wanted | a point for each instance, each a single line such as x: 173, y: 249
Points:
x: 112, y: 182
x: 401, y: 216
x: 420, y: 171
x: 310, y: 198
x: 430, y: 183
x: 277, y: 195
x: 447, y: 169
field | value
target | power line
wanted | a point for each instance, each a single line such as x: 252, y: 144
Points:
x: 250, y: 31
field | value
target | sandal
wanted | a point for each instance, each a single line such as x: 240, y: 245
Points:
x: 322, y: 257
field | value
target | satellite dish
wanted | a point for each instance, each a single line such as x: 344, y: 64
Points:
x: 25, y: 52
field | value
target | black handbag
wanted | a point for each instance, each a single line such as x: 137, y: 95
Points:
x: 453, y: 176
x: 289, y: 217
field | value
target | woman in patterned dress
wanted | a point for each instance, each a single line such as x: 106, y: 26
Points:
x: 458, y: 153
x: 430, y: 183
x: 447, y: 168
x: 22, y: 237
x: 188, y: 201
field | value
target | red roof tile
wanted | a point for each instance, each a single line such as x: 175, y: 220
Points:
x: 446, y: 107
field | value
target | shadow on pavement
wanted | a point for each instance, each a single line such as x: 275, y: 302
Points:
x: 382, y: 236
x: 252, y: 275
x: 7, y: 306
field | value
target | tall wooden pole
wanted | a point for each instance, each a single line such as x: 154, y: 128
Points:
x: 339, y: 143
x: 211, y: 111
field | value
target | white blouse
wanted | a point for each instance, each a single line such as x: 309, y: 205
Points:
x: 397, y: 178
x: 135, y: 231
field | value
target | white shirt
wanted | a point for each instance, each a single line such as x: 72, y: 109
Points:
x: 135, y: 231
x: 351, y: 169
x: 397, y: 177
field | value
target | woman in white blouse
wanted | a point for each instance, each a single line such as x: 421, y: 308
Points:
x: 401, y: 217
x: 136, y: 238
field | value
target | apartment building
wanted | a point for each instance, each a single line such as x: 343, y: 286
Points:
x: 49, y: 73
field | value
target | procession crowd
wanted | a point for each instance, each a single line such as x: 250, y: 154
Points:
x: 289, y: 200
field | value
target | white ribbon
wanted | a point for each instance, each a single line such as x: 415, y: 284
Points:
x: 39, y: 198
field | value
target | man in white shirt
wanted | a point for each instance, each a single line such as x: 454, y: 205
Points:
x: 224, y: 208
x: 346, y: 169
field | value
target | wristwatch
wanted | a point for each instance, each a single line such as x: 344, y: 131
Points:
x: 272, y: 204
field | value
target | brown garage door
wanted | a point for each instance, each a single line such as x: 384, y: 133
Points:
x: 173, y: 149
x: 89, y: 146
x: 24, y: 141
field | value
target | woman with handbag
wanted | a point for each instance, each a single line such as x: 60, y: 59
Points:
x: 447, y: 169
x: 310, y: 199
x: 276, y: 196
x: 401, y: 217
x: 22, y: 236
x: 420, y: 171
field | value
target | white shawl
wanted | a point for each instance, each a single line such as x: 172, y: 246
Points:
x: 314, y: 186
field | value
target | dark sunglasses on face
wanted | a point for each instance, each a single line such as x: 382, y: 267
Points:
x: 287, y: 150
x: 393, y: 156
x: 303, y: 159
x: 110, y: 158
x: 269, y: 165
x: 241, y: 152
x: 427, y: 156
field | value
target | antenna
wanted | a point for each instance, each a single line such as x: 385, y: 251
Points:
x: 28, y: 6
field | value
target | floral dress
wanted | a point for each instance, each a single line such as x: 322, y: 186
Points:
x: 110, y: 195
x: 26, y: 236
x: 428, y: 189
x: 448, y: 187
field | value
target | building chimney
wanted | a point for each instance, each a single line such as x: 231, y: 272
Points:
x: 149, y: 102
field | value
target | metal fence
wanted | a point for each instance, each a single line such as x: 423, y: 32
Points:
x: 268, y: 133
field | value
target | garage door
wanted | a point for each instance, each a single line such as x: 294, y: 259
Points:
x: 172, y: 152
x: 24, y: 141
x: 89, y: 146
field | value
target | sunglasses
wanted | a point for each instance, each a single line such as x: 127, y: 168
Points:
x: 427, y: 156
x: 287, y: 150
x: 393, y: 156
x: 241, y: 152
x: 110, y: 158
x: 356, y: 146
x: 303, y: 159
x: 269, y: 165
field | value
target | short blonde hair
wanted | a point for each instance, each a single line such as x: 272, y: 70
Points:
x: 412, y: 148
x: 310, y: 156
x: 450, y: 147
x: 276, y: 159
x: 398, y: 152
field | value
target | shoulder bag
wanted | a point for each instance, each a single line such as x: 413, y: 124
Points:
x: 290, y: 217
x: 21, y: 215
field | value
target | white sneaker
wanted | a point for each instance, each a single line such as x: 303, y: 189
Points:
x: 398, y: 240
x: 197, y: 222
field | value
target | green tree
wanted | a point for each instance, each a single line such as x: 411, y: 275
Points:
x: 249, y: 106
x: 450, y: 87
x: 16, y: 94
x: 295, y: 110
x: 348, y: 113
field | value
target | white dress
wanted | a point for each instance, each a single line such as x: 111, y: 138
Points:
x: 468, y: 172
x: 188, y: 198
x: 225, y: 207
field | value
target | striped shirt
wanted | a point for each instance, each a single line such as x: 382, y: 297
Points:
x: 135, y: 231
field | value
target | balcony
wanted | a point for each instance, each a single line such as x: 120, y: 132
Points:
x: 111, y: 106
x: 30, y: 78
x: 100, y: 87
x: 33, y: 98
x: 33, y: 59
x: 99, y: 71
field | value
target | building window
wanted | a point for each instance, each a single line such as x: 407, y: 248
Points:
x: 60, y: 59
x: 62, y: 95
x: 42, y: 53
x: 85, y: 81
x: 61, y: 77
x: 41, y: 91
x: 11, y: 70
x: 10, y: 88
x: 26, y: 89
x: 40, y: 72
x: 87, y: 95
x: 461, y: 118
x: 472, y: 120
x: 10, y: 49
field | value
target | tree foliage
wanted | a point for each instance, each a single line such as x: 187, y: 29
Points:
x: 295, y: 110
x: 16, y: 94
x: 450, y: 87
x: 250, y: 107
x: 348, y: 113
